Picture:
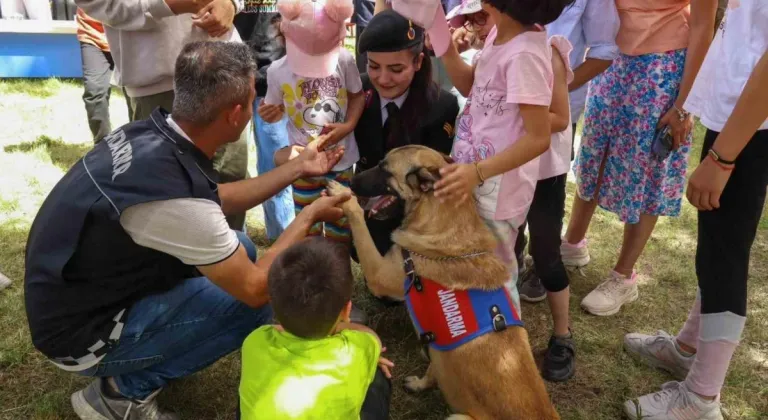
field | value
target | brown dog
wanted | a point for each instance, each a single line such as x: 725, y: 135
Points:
x: 492, y: 377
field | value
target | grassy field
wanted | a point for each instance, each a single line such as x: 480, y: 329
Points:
x: 43, y: 131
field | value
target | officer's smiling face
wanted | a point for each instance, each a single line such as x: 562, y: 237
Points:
x: 392, y: 72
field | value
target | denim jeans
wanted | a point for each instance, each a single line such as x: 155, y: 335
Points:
x: 278, y: 210
x: 177, y: 333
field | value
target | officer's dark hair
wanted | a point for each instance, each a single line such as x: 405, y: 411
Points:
x: 422, y: 92
x: 210, y: 77
x: 309, y: 285
x: 530, y: 12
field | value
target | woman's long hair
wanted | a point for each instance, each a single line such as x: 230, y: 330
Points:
x: 422, y: 94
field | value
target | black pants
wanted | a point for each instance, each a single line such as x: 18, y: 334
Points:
x: 97, y: 72
x: 545, y: 222
x: 726, y: 234
x: 376, y: 403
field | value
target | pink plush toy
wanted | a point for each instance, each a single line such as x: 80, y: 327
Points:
x: 314, y: 33
x: 429, y: 15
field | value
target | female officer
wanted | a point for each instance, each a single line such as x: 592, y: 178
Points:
x: 403, y: 106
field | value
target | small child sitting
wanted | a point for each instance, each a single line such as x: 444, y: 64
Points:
x: 315, y: 364
x: 318, y: 84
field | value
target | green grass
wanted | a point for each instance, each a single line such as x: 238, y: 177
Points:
x: 44, y: 130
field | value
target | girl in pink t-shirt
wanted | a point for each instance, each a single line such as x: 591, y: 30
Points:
x: 505, y: 124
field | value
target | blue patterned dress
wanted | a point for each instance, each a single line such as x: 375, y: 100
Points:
x: 624, y: 105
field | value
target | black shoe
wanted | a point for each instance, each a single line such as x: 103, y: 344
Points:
x: 358, y: 316
x: 559, y: 361
x: 529, y: 286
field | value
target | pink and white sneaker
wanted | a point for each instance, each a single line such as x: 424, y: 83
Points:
x: 574, y: 255
x: 609, y: 296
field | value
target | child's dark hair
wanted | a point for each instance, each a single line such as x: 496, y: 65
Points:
x: 529, y: 12
x: 309, y: 284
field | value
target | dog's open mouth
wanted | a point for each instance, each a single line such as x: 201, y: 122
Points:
x: 382, y: 207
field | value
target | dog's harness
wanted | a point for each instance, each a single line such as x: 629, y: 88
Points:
x: 446, y: 318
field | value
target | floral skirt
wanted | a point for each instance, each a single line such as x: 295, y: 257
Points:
x: 623, y: 107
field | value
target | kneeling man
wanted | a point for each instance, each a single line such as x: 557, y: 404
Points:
x: 132, y: 273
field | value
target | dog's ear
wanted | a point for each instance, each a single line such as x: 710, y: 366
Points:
x: 448, y: 159
x: 423, y: 178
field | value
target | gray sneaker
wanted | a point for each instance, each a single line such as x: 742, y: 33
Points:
x: 91, y: 403
x: 530, y: 288
x: 659, y: 351
x: 4, y: 281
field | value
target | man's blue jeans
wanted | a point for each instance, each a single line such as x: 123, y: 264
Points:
x: 278, y: 210
x: 177, y: 333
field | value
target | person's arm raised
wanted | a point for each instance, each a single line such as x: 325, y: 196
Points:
x: 462, y: 75
x: 240, y: 196
x: 247, y: 281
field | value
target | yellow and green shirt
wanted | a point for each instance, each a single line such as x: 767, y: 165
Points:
x: 287, y: 377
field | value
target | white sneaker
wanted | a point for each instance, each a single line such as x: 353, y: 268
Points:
x: 659, y: 351
x: 673, y: 402
x: 610, y: 295
x: 574, y: 255
x: 4, y: 281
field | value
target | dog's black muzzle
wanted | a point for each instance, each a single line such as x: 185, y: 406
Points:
x: 371, y: 183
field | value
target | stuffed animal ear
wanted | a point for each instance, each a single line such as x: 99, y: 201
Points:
x: 339, y: 10
x: 423, y: 178
x: 289, y: 9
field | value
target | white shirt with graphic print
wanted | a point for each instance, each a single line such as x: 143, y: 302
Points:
x: 313, y: 103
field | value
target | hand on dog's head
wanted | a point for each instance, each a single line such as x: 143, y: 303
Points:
x: 407, y: 172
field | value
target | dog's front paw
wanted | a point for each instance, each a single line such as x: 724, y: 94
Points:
x: 335, y: 188
x: 416, y: 384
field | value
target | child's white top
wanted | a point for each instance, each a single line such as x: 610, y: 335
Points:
x: 557, y: 160
x: 517, y: 72
x: 739, y: 44
x: 313, y: 103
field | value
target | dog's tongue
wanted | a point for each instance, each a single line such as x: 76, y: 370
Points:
x: 381, y: 202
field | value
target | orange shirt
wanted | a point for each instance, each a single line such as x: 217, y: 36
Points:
x: 652, y: 26
x: 90, y: 31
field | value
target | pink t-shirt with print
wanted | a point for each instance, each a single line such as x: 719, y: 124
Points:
x: 516, y: 72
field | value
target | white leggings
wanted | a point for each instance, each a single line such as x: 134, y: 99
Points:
x: 26, y: 9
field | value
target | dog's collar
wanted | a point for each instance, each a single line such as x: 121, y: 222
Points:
x: 446, y: 258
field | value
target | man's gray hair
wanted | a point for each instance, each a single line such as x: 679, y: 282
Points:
x: 209, y: 77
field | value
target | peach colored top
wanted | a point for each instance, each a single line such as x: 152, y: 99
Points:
x: 652, y: 26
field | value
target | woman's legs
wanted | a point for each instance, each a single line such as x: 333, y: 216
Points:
x: 635, y: 237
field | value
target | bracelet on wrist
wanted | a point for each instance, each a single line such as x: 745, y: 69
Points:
x: 719, y: 159
x: 724, y: 167
x: 681, y: 114
x: 479, y: 174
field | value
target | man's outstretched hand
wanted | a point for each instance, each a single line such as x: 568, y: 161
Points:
x: 314, y: 163
x: 216, y: 17
x: 327, y: 208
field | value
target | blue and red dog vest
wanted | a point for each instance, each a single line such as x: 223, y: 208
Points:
x: 445, y: 318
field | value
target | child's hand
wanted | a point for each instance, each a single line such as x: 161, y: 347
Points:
x: 271, y: 113
x: 337, y: 133
x: 457, y: 183
x: 385, y: 364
